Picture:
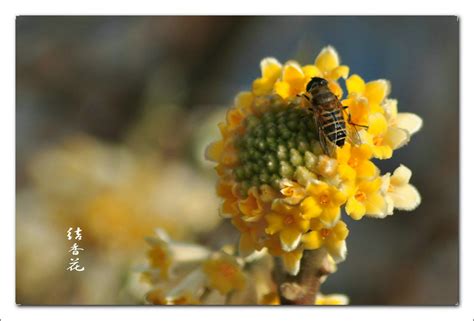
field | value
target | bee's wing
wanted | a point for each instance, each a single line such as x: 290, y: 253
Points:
x: 353, y: 135
x: 328, y: 147
x: 352, y: 131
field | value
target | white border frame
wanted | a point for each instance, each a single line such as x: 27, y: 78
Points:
x: 8, y: 12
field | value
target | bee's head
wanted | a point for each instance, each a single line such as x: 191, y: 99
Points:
x: 316, y: 82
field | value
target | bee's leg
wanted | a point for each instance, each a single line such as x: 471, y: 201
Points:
x: 349, y: 119
x: 304, y: 95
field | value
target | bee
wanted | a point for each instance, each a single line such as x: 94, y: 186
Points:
x: 328, y: 115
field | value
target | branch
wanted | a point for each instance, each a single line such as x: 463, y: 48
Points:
x: 301, y: 289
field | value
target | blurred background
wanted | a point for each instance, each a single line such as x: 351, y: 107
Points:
x: 113, y: 115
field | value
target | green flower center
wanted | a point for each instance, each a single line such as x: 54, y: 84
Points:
x: 274, y: 145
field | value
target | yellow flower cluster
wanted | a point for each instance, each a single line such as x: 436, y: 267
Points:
x: 188, y: 274
x: 279, y: 188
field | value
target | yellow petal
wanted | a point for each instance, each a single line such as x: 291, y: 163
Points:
x: 346, y: 172
x: 371, y: 186
x: 401, y: 176
x: 355, y: 84
x: 376, y: 205
x: 270, y: 67
x: 390, y: 205
x: 344, y: 153
x: 312, y: 240
x: 262, y: 86
x: 396, y: 137
x: 228, y: 209
x: 382, y: 152
x: 251, y: 207
x: 338, y: 197
x: 292, y: 191
x: 290, y: 238
x: 338, y: 72
x: 359, y: 109
x: 405, y: 198
x: 316, y: 225
x: 362, y: 152
x: 331, y: 299
x: 330, y: 216
x: 327, y: 60
x: 316, y: 187
x: 310, y: 208
x: 311, y: 71
x: 275, y: 223
x: 377, y: 124
x: 293, y: 75
x: 377, y: 90
x: 291, y: 261
x: 244, y: 101
x: 390, y: 107
x: 366, y: 169
x: 234, y: 117
x: 340, y: 230
x: 410, y: 122
x: 337, y: 250
x: 246, y: 246
x: 214, y: 151
x: 292, y: 72
x: 282, y: 89
x: 355, y: 209
x: 302, y: 224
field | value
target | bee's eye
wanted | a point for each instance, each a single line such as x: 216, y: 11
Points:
x: 310, y: 84
x: 316, y: 81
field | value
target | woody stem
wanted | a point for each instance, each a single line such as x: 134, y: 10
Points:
x: 301, y: 289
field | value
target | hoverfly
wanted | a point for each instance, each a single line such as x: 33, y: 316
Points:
x: 328, y: 115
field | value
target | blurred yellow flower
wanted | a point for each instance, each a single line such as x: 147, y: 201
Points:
x: 159, y: 256
x: 197, y: 275
x: 224, y: 273
x: 118, y: 197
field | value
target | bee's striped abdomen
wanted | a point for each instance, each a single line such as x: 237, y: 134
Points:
x: 334, y: 127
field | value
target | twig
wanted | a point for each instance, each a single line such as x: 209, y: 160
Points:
x: 302, y: 288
